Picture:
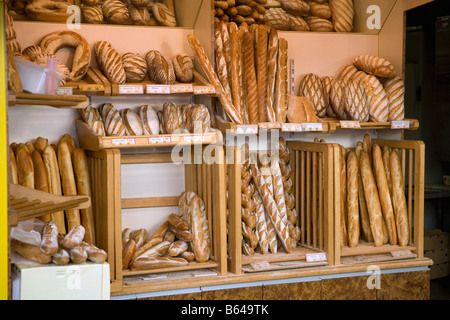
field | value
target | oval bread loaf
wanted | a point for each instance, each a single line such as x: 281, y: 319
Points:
x: 109, y: 62
x: 277, y: 18
x: 374, y: 65
x: 160, y: 68
x: 312, y: 88
x: 377, y: 99
x: 163, y: 15
x: 184, y: 67
x: 395, y: 90
x: 355, y: 104
x: 149, y: 118
x: 342, y: 14
x: 115, y: 11
x: 319, y: 24
x: 134, y: 66
x: 92, y: 14
x: 296, y: 7
x: 132, y: 122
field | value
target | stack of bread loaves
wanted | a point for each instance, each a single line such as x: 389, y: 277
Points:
x: 132, y: 68
x: 181, y: 239
x: 367, y: 90
x: 107, y: 120
x: 375, y: 208
x: 311, y: 15
x: 56, y: 247
x: 251, y: 66
x: 59, y: 169
x: 240, y: 11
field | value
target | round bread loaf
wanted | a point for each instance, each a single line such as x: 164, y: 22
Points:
x: 112, y: 120
x: 149, y: 118
x: 135, y: 67
x: 160, y: 68
x: 184, y: 67
x: 277, y: 18
x: 355, y: 102
x: 163, y: 15
x: 92, y: 14
x: 115, y: 11
x: 312, y: 88
x: 132, y: 122
x: 337, y: 101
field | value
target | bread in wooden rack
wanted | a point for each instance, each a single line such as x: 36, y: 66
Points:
x: 164, y: 15
x: 92, y: 14
x: 109, y: 62
x: 160, y: 68
x: 115, y: 11
x: 342, y: 14
x: 355, y: 102
x: 311, y: 87
x: 395, y: 90
x: 135, y: 67
x: 374, y: 65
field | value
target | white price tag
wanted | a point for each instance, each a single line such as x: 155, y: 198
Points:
x: 315, y: 257
x: 181, y: 88
x: 123, y: 142
x: 291, y: 127
x: 130, y: 89
x: 64, y: 91
x: 312, y: 127
x: 194, y: 139
x: 246, y: 129
x: 269, y: 125
x: 401, y: 253
x: 350, y: 124
x: 204, y: 89
x: 155, y: 140
x: 158, y: 88
x: 400, y: 124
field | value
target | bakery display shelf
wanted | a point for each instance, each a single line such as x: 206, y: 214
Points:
x: 56, y: 101
x: 90, y: 141
x: 335, y: 124
x: 206, y: 179
x: 233, y: 128
x: 312, y: 175
x: 412, y: 158
x: 26, y: 203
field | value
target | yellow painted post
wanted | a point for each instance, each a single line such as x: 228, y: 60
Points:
x: 4, y: 265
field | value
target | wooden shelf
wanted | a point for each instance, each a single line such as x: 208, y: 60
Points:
x: 56, y: 101
x: 26, y: 203
x: 405, y: 124
x: 89, y: 141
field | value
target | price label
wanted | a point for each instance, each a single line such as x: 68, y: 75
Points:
x: 91, y: 87
x: 204, y: 90
x: 246, y: 129
x: 158, y: 89
x: 316, y: 257
x: 312, y: 127
x: 181, y: 88
x: 401, y: 253
x: 350, y: 124
x: 123, y: 142
x: 131, y: 89
x: 194, y: 138
x: 269, y: 125
x: 291, y: 127
x: 400, y: 124
x: 64, y: 91
x: 157, y: 140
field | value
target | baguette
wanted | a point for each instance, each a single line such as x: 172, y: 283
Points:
x: 261, y: 224
x: 352, y: 200
x: 343, y: 196
x: 68, y: 183
x: 401, y: 212
x: 261, y: 71
x: 236, y: 67
x: 250, y: 78
x: 49, y: 240
x: 372, y: 199
x: 177, y: 248
x: 199, y: 226
x: 139, y: 236
x: 25, y: 169
x: 54, y: 181
x: 273, y: 64
x: 152, y: 242
x: 364, y: 215
x: 281, y: 85
x: 177, y: 222
x: 128, y: 252
x: 148, y: 263
x: 200, y: 53
x: 74, y: 238
x: 40, y: 178
x: 222, y: 68
x: 30, y: 252
x: 12, y: 167
x: 383, y: 191
x: 80, y: 168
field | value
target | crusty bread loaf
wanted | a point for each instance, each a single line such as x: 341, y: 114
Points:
x: 160, y: 68
x: 12, y: 167
x: 377, y: 99
x: 184, y: 67
x: 347, y: 72
x: 276, y: 90
x: 150, y: 122
x: 395, y: 90
x: 200, y: 230
x: 311, y: 87
x: 352, y: 200
x: 374, y: 65
x: 364, y: 215
x: 134, y: 66
x: 337, y: 99
x: 163, y: 15
x: 277, y: 18
x: 355, y: 102
x: 319, y: 24
x: 261, y: 43
x: 281, y: 85
x: 92, y: 14
x: 327, y: 83
x: 300, y: 110
x: 237, y: 81
x: 372, y: 198
x: 399, y: 199
x: 342, y: 14
x: 139, y: 16
x: 251, y: 90
x: 298, y: 23
x: 132, y: 122
x: 172, y: 118
x: 296, y: 7
x: 321, y: 10
x: 383, y: 191
x: 115, y: 11
x: 29, y: 251
x: 25, y: 169
x: 109, y: 62
x: 112, y: 120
